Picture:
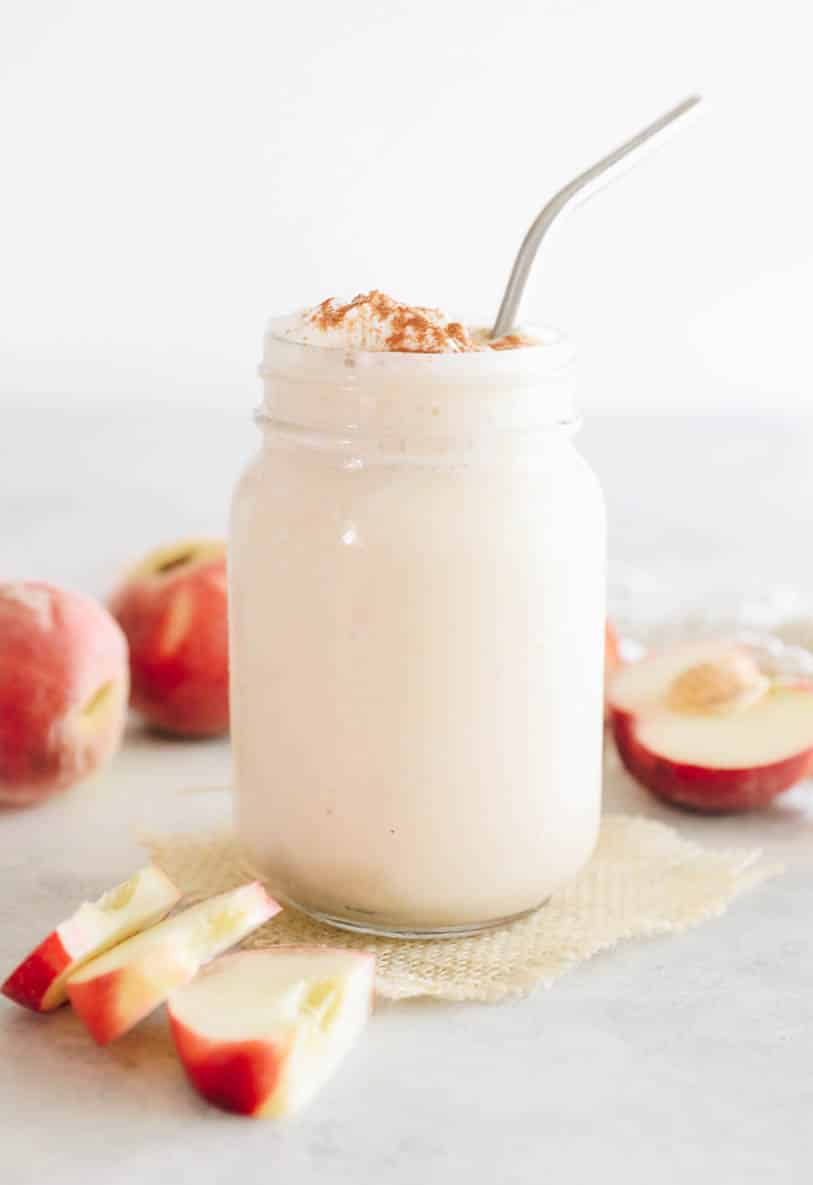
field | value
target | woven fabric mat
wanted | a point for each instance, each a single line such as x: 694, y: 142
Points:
x: 643, y: 879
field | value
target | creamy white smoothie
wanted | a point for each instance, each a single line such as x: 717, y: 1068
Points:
x: 417, y: 622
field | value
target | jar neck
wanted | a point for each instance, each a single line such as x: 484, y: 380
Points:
x: 355, y: 449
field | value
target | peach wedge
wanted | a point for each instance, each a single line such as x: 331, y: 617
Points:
x: 39, y: 981
x: 114, y: 992
x: 260, y: 1032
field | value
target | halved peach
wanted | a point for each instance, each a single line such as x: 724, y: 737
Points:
x: 702, y: 726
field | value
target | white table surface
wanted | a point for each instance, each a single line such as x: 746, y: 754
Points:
x: 669, y: 1060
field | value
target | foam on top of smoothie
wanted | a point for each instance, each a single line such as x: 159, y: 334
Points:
x: 374, y: 321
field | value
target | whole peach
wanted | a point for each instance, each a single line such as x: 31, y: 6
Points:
x: 63, y: 689
x: 173, y: 608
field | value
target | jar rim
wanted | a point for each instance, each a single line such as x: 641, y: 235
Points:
x: 550, y: 352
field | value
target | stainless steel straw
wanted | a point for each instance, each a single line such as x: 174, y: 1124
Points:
x: 583, y: 185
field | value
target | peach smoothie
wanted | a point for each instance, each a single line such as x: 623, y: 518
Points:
x: 417, y: 623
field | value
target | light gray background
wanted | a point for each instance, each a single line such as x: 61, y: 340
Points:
x: 175, y: 171
x: 677, y: 1059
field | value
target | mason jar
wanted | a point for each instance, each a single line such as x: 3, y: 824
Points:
x: 417, y: 575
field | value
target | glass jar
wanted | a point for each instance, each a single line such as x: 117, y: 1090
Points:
x: 417, y: 575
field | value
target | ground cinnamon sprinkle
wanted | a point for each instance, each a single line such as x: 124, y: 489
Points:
x: 458, y: 333
x: 381, y: 323
x: 328, y: 315
x: 405, y: 328
x: 511, y: 341
x: 413, y: 331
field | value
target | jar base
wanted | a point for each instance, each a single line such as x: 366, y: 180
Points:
x: 388, y: 930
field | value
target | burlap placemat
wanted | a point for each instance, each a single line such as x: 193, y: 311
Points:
x: 643, y: 879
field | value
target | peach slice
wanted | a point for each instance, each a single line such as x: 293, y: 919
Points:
x: 173, y: 609
x: 260, y: 1032
x: 117, y: 990
x: 39, y: 981
x: 701, y: 726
